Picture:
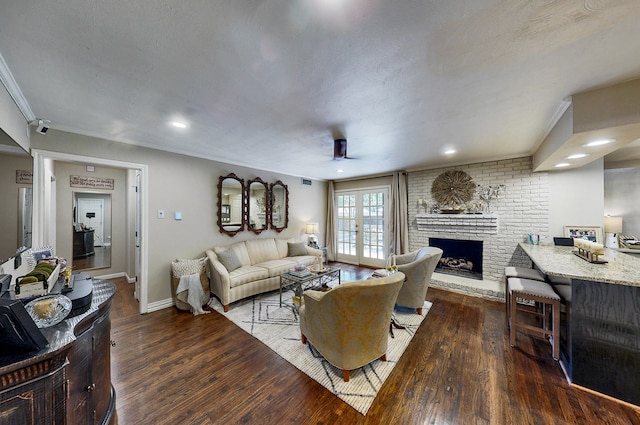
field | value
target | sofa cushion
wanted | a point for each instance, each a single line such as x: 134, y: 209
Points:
x: 305, y: 260
x: 229, y: 259
x: 246, y: 274
x: 261, y: 250
x: 278, y: 267
x: 296, y: 249
x: 240, y: 250
x: 283, y: 246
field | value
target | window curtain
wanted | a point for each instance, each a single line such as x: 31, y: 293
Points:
x: 399, y: 224
x: 330, y: 237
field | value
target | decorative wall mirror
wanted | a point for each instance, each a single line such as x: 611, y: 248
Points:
x: 257, y: 202
x: 231, y: 204
x: 16, y: 166
x: 279, y: 212
x: 91, y: 230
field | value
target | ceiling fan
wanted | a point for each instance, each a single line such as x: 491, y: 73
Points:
x: 340, y: 149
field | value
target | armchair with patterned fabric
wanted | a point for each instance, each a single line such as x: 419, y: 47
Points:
x: 349, y: 325
x: 418, y: 266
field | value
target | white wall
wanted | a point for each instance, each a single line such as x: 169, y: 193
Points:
x: 11, y: 119
x: 576, y: 197
x: 622, y: 197
x: 9, y: 194
x: 189, y: 185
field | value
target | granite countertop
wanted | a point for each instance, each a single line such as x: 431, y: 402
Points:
x: 620, y: 269
x: 62, y: 334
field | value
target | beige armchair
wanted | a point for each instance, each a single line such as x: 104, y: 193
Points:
x: 349, y: 325
x: 418, y: 266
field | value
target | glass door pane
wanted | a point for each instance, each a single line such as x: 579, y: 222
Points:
x: 347, y: 226
x: 361, y: 226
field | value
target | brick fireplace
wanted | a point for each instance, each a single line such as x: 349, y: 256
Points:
x: 522, y: 208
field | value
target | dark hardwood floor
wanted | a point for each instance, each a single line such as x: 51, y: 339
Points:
x: 100, y: 259
x: 169, y: 367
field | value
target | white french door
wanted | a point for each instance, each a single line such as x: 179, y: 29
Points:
x: 362, y: 226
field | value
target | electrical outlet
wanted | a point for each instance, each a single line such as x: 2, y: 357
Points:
x: 160, y: 213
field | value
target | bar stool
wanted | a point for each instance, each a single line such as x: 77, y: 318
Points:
x: 538, y: 292
x: 524, y: 273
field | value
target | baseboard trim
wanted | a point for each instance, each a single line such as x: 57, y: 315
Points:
x: 159, y: 305
x: 116, y: 275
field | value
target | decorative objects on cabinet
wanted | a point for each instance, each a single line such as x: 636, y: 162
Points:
x: 69, y: 381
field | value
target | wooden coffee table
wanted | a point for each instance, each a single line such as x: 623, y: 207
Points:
x: 317, y: 279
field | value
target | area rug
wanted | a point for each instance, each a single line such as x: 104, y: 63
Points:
x: 278, y: 328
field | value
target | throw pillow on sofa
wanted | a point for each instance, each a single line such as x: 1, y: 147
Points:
x: 229, y: 260
x: 296, y: 249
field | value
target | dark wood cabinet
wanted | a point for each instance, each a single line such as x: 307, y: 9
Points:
x: 83, y: 244
x: 90, y: 392
x: 34, y: 394
x: 69, y: 382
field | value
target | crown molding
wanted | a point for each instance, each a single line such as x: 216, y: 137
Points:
x: 562, y: 108
x: 14, y: 91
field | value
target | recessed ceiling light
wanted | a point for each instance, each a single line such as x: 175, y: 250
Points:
x: 449, y: 151
x: 340, y: 171
x: 599, y: 142
x: 577, y: 156
x: 562, y: 164
x: 178, y: 124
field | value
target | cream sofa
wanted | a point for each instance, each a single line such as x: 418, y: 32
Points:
x: 254, y: 266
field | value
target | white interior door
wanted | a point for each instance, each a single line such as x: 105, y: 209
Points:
x: 91, y: 214
x: 137, y: 236
x: 362, y: 226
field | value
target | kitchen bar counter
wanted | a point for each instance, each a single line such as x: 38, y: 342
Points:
x: 600, y: 324
x: 620, y: 269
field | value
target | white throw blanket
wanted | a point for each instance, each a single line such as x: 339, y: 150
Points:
x: 195, y: 294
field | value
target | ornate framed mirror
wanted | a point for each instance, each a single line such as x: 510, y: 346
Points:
x: 279, y: 211
x: 231, y: 193
x: 257, y: 198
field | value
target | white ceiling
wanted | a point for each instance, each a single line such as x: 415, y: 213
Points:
x: 269, y: 84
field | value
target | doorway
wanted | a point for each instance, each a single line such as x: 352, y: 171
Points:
x: 44, y: 212
x: 362, y: 226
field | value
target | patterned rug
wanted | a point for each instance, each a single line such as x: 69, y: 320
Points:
x: 278, y: 328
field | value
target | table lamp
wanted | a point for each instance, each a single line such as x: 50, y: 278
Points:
x: 311, y: 229
x: 612, y: 226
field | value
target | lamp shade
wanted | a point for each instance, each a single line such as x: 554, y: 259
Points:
x: 311, y: 228
x: 612, y: 224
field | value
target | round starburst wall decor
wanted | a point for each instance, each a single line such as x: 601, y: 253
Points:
x: 453, y: 188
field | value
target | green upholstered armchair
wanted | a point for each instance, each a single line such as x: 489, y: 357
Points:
x: 418, y: 266
x: 349, y: 325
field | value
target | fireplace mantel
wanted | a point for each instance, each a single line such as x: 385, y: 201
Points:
x: 460, y: 223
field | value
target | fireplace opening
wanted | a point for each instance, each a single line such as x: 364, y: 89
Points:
x: 459, y: 257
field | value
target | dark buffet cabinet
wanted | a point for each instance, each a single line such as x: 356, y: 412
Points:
x: 69, y: 382
x: 83, y: 244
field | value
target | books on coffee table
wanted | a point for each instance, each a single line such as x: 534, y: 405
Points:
x: 300, y: 273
